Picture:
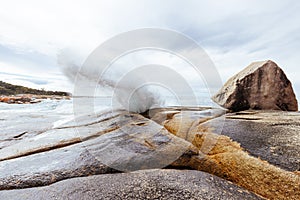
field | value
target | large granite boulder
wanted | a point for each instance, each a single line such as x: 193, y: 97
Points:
x: 261, y: 86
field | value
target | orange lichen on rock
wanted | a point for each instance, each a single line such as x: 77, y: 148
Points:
x: 221, y: 156
x: 228, y: 160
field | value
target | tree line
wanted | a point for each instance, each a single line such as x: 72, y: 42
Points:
x: 9, y: 89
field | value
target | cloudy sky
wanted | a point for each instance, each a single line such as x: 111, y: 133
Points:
x: 234, y: 33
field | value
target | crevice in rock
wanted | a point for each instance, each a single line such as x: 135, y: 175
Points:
x: 100, y: 133
x: 20, y: 135
x: 243, y: 118
x: 286, y: 124
x: 40, y: 150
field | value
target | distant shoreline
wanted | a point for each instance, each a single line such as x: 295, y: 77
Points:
x: 30, y: 98
x: 8, y: 89
x: 16, y: 94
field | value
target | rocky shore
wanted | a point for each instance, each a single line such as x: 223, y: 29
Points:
x: 30, y: 98
x: 16, y: 94
x: 210, y: 166
x: 246, y: 152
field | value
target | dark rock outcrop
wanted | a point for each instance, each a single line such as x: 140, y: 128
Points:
x: 270, y: 135
x: 261, y: 86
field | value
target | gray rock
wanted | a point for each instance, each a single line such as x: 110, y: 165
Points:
x: 49, y: 167
x: 139, y: 143
x: 109, y: 143
x: 273, y: 136
x: 261, y: 86
x: 115, y: 141
x: 70, y: 133
x: 18, y: 126
x: 146, y: 184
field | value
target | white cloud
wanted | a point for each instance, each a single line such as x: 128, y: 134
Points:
x: 233, y: 32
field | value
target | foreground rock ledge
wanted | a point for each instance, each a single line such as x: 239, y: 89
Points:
x: 140, y: 143
x: 113, y: 141
x: 262, y: 86
x: 146, y: 184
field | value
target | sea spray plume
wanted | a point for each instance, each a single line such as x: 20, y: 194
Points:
x: 137, y: 98
x: 147, y: 86
x: 132, y: 92
x: 93, y: 72
x: 69, y: 65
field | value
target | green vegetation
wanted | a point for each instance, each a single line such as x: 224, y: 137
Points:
x: 9, y: 89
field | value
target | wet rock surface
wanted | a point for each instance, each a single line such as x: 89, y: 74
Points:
x: 13, y: 132
x: 49, y: 167
x: 271, y: 135
x: 115, y: 141
x: 62, y: 159
x: 145, y: 184
x: 262, y: 86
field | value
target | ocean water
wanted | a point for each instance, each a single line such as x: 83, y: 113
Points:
x: 64, y: 108
x: 40, y: 116
x: 28, y: 120
x: 52, y: 113
x: 20, y: 118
